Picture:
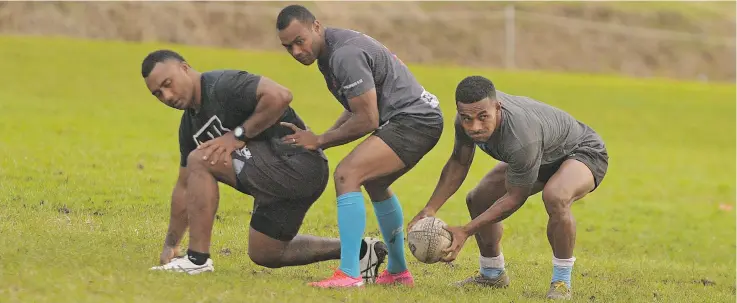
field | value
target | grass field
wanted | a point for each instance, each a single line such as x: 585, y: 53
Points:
x: 89, y: 158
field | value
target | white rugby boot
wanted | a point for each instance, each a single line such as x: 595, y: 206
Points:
x: 376, y: 253
x: 183, y: 264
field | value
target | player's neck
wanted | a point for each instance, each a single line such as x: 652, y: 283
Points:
x: 499, y: 118
x: 323, y: 48
x: 197, y: 104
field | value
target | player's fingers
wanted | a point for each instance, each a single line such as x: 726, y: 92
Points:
x: 217, y: 154
x: 450, y: 257
x: 291, y: 139
x: 292, y: 126
x: 225, y: 157
x: 452, y: 247
x: 204, y: 145
x: 209, y: 150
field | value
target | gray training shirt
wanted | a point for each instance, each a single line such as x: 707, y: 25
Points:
x: 354, y: 63
x: 531, y: 134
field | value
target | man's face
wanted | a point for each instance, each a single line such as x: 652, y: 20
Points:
x: 302, y: 41
x: 170, y: 82
x: 479, y: 119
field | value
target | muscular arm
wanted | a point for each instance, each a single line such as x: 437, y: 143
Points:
x: 272, y: 100
x: 351, y: 67
x: 453, y: 174
x: 365, y: 118
x: 515, y: 197
x: 343, y: 117
x: 178, y: 219
x: 522, y: 172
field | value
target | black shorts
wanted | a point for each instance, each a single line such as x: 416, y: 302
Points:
x: 591, y: 152
x: 411, y: 137
x: 284, y: 186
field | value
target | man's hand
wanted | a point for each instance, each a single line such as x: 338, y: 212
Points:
x: 220, y: 148
x: 301, y: 137
x: 459, y: 236
x: 168, y: 253
x: 424, y: 213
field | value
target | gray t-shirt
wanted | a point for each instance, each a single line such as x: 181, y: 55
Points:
x: 531, y: 134
x: 228, y: 99
x: 354, y: 63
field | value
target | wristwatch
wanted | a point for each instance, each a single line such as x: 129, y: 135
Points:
x: 240, y: 133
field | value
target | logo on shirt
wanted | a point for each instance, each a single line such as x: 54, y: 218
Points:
x: 352, y: 85
x: 430, y: 99
x: 212, y: 129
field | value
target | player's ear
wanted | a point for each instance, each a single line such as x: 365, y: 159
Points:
x: 316, y: 26
x: 185, y: 66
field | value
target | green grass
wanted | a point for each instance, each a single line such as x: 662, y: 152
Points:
x: 81, y: 133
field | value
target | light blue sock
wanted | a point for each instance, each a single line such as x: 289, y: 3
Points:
x: 491, y: 272
x: 391, y: 223
x: 491, y: 267
x: 351, y: 225
x: 562, y: 269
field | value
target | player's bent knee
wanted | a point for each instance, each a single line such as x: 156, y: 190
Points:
x: 346, y: 176
x: 470, y: 198
x: 557, y: 200
x: 195, y: 161
x: 266, y: 259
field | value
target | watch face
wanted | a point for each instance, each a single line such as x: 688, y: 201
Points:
x: 238, y: 131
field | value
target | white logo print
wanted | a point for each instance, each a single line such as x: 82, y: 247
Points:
x: 212, y: 129
x: 352, y: 85
x: 430, y: 99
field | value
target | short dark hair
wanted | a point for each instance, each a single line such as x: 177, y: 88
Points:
x: 293, y: 12
x: 158, y: 56
x: 473, y: 89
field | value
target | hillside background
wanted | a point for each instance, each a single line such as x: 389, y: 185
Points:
x: 684, y: 40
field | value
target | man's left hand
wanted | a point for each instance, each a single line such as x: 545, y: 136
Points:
x: 301, y: 137
x: 221, y: 148
x: 460, y: 236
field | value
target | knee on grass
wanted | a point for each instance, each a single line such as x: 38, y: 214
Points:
x: 265, y: 258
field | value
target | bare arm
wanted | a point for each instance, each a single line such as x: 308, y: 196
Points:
x: 501, y: 209
x: 272, y: 100
x: 521, y: 175
x: 453, y: 174
x: 343, y: 117
x: 365, y: 118
x: 178, y: 219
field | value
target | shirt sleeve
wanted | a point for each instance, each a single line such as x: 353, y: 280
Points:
x: 524, y: 164
x: 186, y: 142
x: 352, y: 69
x: 239, y: 89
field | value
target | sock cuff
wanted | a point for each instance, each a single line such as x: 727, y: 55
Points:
x: 492, y: 262
x: 387, y: 206
x: 350, y: 198
x: 564, y: 262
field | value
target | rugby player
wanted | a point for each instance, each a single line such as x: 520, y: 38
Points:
x: 230, y: 133
x: 380, y: 97
x: 540, y: 148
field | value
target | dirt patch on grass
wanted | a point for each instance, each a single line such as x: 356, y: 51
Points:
x: 471, y: 33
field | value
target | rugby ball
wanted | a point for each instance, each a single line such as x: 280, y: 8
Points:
x: 427, y: 239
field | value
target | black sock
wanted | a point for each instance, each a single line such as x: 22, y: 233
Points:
x: 364, y: 248
x: 197, y: 258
